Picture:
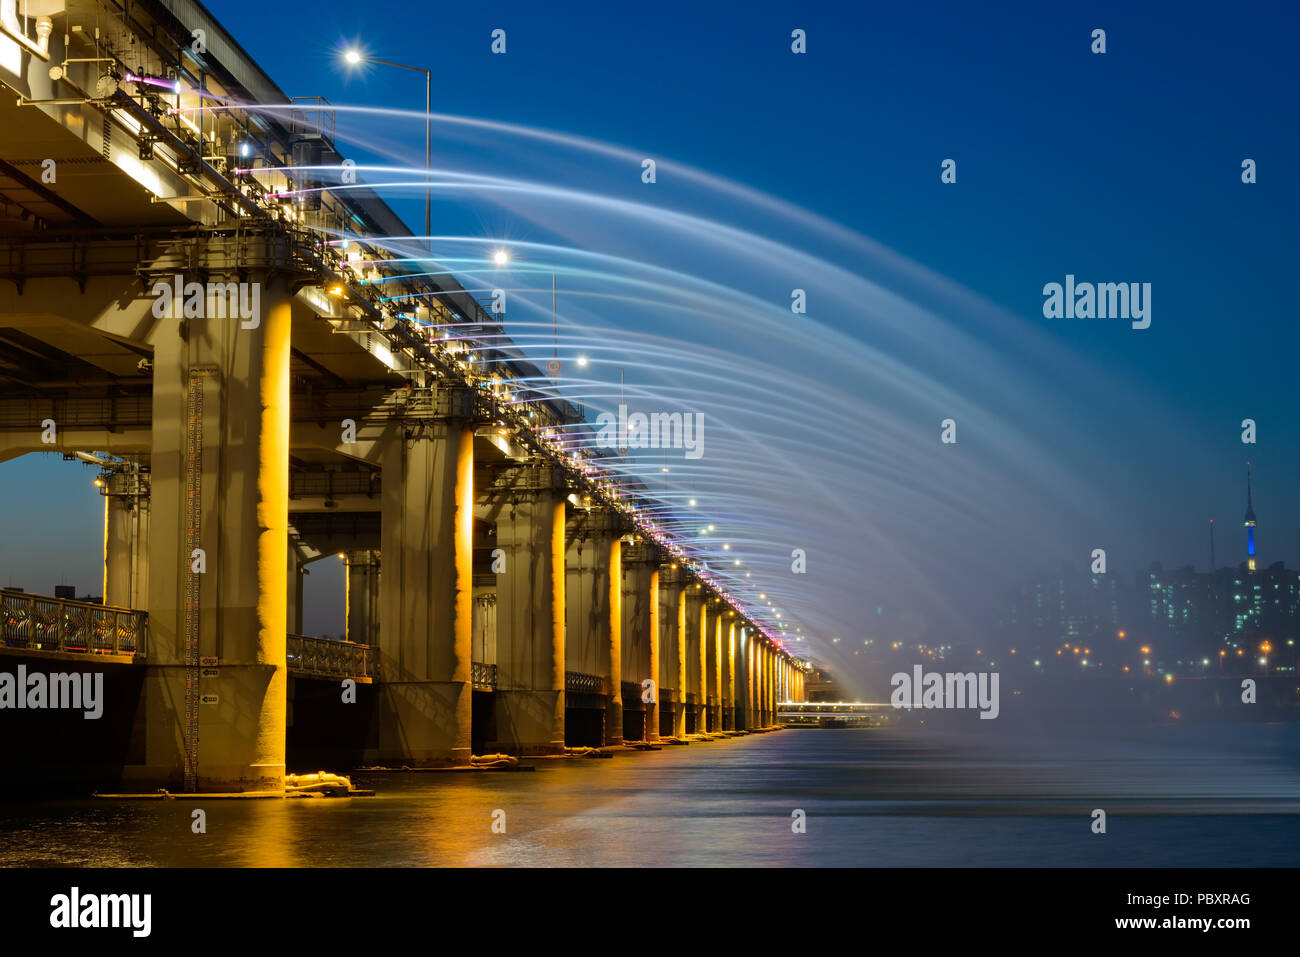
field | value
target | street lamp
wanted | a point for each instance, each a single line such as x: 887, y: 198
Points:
x: 354, y: 57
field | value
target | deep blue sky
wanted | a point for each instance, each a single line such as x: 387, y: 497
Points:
x: 1121, y: 167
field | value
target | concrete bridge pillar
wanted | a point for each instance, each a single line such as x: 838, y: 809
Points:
x: 741, y: 688
x: 672, y: 647
x: 765, y: 684
x: 126, y: 539
x: 695, y: 626
x: 774, y: 666
x: 720, y: 663
x: 729, y: 674
x: 711, y: 661
x: 218, y: 552
x: 641, y: 629
x: 299, y: 555
x: 593, y: 602
x: 425, y: 592
x: 362, y: 616
x: 529, y: 504
x: 772, y: 659
x: 293, y: 572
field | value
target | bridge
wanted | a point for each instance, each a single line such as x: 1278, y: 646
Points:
x: 264, y: 380
x: 832, y: 714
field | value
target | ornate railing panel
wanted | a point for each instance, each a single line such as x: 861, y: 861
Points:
x: 331, y: 658
x: 575, y: 682
x: 483, y: 677
x: 37, y: 623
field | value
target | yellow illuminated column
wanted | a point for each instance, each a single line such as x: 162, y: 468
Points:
x: 640, y: 638
x: 718, y: 650
x: 594, y: 608
x: 693, y: 630
x: 672, y: 658
x: 529, y: 702
x: 656, y: 617
x: 613, y: 649
x: 218, y: 554
x: 729, y: 676
x: 679, y: 719
x: 705, y: 686
x: 426, y: 594
x: 751, y: 682
x: 711, y: 661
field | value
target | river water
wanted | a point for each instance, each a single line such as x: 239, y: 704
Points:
x: 1182, y: 795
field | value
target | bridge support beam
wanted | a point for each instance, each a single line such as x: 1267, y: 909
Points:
x: 694, y: 629
x: 362, y: 617
x: 126, y: 539
x: 641, y: 628
x: 741, y: 692
x: 711, y: 660
x: 729, y: 674
x: 294, y: 571
x: 529, y: 697
x: 425, y: 592
x: 218, y: 553
x: 769, y: 686
x: 593, y: 602
x: 672, y: 650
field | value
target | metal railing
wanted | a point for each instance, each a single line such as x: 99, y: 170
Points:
x: 38, y: 623
x: 575, y: 682
x: 482, y: 676
x: 331, y: 657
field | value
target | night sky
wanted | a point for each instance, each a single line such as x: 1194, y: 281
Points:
x: 1073, y: 433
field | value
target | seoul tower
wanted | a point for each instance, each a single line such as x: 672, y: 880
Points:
x: 1250, y: 525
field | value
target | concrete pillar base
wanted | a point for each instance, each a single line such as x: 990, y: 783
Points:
x: 421, y: 724
x: 526, y: 722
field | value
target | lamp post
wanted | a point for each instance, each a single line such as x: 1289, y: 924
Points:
x: 354, y: 57
x: 502, y: 258
x: 622, y: 439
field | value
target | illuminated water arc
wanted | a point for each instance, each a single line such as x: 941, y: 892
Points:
x: 783, y: 384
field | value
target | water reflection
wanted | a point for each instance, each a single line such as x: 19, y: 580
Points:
x: 896, y: 797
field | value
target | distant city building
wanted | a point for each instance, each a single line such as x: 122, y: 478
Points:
x: 1228, y: 620
x: 1250, y: 525
x: 1189, y: 620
